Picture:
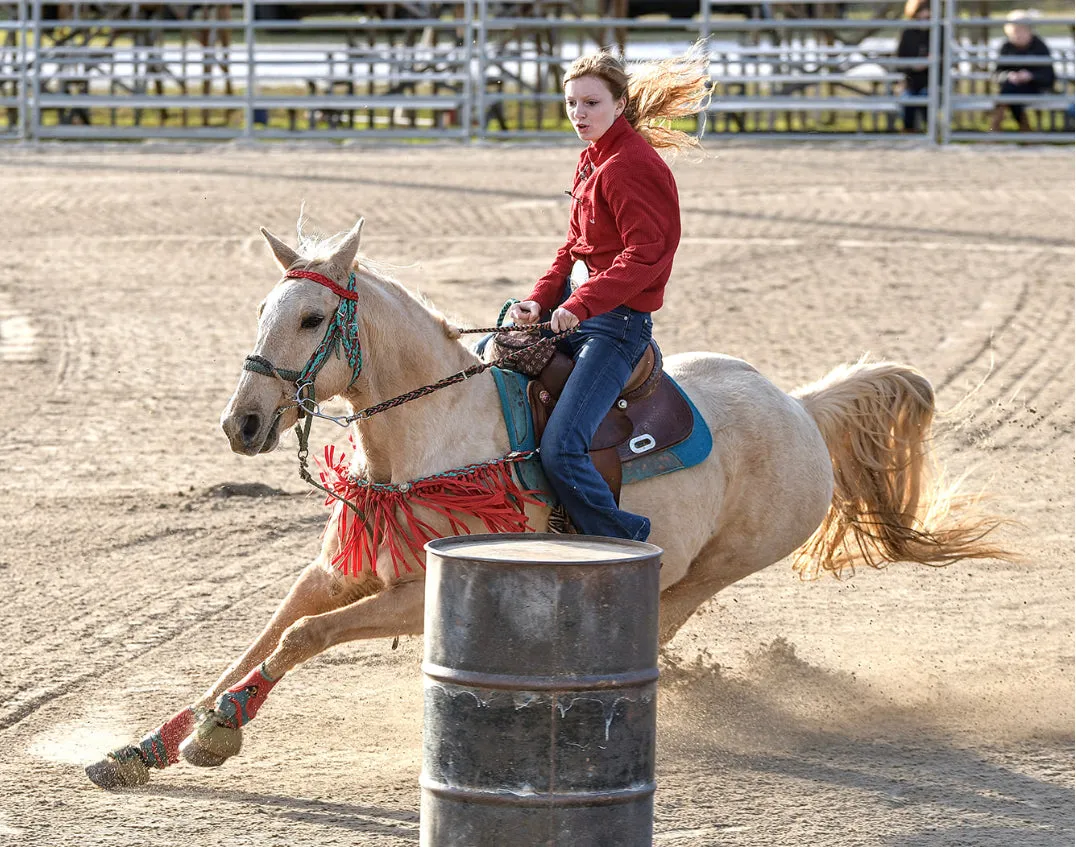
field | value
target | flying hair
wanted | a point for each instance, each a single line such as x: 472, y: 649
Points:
x: 657, y: 92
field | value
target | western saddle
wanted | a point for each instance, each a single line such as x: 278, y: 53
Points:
x: 650, y: 415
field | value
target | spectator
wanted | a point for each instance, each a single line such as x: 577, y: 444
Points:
x: 1015, y: 74
x: 915, y: 43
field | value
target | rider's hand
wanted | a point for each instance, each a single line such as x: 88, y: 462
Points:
x: 524, y: 314
x: 562, y: 319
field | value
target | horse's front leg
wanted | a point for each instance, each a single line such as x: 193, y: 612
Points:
x: 313, y: 593
x: 395, y: 610
x: 316, y: 591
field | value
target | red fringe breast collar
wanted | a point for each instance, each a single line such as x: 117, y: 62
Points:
x: 487, y: 491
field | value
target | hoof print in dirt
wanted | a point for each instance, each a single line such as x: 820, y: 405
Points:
x: 211, y: 744
x: 121, y: 768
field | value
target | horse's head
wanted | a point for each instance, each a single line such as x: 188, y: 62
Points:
x: 307, y: 340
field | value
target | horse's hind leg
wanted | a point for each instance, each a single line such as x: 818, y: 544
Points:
x: 712, y: 570
x: 313, y: 593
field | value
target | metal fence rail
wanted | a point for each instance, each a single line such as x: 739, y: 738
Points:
x: 480, y: 69
x: 970, y: 89
x: 13, y: 69
x: 804, y: 74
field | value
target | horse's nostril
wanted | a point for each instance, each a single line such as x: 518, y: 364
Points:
x: 252, y: 425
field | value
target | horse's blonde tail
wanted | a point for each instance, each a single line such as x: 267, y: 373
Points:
x: 889, y: 504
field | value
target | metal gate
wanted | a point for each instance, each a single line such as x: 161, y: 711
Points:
x: 479, y: 69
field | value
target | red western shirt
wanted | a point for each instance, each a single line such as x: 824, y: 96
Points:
x: 625, y: 224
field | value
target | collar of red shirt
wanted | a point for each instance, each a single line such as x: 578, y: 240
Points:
x: 604, y: 147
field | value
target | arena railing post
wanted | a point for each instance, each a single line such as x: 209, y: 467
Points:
x: 22, y: 55
x: 467, y: 107
x: 248, y: 33
x: 933, y: 82
x: 34, y: 116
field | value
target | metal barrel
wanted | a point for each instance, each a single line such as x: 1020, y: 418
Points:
x: 540, y: 675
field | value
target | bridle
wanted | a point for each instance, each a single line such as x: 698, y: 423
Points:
x: 343, y: 331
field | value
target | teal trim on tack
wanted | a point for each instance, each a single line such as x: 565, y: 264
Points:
x: 686, y: 454
x: 516, y: 409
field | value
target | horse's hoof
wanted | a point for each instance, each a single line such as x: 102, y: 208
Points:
x: 121, y: 768
x: 211, y: 744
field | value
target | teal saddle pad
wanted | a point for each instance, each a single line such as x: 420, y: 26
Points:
x: 516, y: 408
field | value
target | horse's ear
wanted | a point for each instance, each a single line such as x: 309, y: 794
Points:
x: 347, y: 251
x: 285, y: 256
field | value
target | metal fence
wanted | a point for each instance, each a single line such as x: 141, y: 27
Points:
x: 479, y: 69
x: 969, y: 87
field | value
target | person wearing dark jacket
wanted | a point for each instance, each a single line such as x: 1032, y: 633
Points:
x: 1015, y: 74
x: 915, y: 43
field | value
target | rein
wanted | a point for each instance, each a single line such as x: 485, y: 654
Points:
x: 343, y: 330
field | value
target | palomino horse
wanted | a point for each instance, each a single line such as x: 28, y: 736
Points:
x: 837, y: 471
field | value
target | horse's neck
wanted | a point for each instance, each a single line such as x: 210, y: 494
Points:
x: 407, y: 348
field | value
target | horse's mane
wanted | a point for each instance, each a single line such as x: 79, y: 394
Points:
x: 315, y: 248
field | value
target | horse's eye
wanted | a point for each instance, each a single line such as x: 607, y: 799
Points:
x: 313, y: 321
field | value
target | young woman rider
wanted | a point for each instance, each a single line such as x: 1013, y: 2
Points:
x: 611, y: 273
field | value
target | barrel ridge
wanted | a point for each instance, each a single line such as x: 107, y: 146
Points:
x: 629, y: 794
x: 519, y: 682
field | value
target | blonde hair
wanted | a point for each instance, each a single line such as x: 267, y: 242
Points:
x: 914, y: 7
x: 1022, y: 16
x: 656, y: 92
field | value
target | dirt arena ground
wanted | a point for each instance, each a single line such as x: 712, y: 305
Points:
x: 907, y: 708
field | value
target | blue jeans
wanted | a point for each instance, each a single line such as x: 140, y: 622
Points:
x: 915, y: 117
x: 606, y: 348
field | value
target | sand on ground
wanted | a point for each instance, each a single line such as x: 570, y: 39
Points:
x: 912, y: 707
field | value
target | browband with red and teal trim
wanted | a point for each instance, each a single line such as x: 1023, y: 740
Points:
x: 321, y: 279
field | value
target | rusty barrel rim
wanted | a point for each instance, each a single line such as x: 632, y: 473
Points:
x: 634, y: 551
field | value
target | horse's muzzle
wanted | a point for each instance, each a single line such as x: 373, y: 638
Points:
x: 250, y: 433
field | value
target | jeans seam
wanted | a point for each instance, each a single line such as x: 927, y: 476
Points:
x: 631, y: 336
x: 573, y: 421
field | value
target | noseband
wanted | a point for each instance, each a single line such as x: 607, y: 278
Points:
x: 342, y: 331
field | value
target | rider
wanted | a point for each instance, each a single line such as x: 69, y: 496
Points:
x: 611, y: 273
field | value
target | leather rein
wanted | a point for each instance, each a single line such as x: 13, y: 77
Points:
x: 343, y: 333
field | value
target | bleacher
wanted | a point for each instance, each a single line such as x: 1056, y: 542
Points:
x: 479, y: 69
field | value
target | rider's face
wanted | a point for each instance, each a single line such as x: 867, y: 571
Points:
x: 591, y: 107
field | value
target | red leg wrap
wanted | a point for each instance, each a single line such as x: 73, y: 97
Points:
x: 240, y: 703
x: 160, y: 748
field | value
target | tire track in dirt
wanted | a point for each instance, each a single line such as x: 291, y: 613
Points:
x: 985, y: 346
x: 92, y: 211
x: 39, y: 372
x: 18, y: 709
x: 152, y: 620
x: 1035, y: 382
x: 875, y: 227
x: 1023, y: 371
x: 18, y: 335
